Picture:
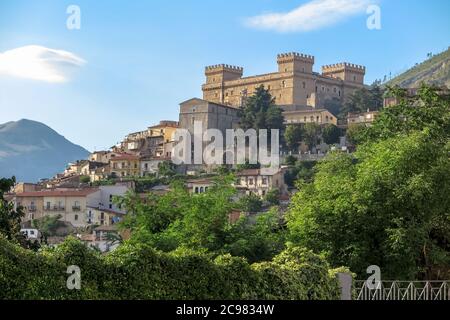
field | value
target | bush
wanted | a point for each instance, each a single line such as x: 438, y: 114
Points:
x: 137, y: 271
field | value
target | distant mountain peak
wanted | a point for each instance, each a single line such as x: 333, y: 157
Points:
x: 31, y: 150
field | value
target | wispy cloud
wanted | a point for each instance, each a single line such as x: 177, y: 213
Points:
x: 309, y: 16
x: 39, y: 63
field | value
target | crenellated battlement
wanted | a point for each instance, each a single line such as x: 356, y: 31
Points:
x: 343, y: 66
x: 223, y: 67
x: 291, y: 56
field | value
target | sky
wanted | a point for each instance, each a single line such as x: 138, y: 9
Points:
x: 130, y: 63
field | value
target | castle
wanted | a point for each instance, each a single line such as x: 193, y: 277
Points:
x: 294, y: 85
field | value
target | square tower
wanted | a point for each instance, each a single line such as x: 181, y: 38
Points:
x: 348, y: 72
x: 222, y: 72
x: 295, y: 62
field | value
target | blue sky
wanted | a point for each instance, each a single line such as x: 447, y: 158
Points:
x: 140, y: 59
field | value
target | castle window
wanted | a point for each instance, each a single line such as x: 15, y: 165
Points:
x: 226, y: 94
x: 334, y: 89
x: 304, y: 84
x: 323, y: 88
x: 283, y: 84
x: 232, y: 92
x: 328, y: 89
x: 354, y: 78
x: 339, y: 93
x: 316, y: 88
x: 317, y: 118
x: 303, y: 69
x: 312, y: 118
x: 304, y: 119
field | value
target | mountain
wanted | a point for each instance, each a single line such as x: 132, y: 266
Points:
x: 435, y: 71
x: 31, y: 151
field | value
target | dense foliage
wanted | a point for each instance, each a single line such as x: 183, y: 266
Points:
x: 179, y: 219
x: 387, y: 204
x: 137, y: 271
x: 260, y: 112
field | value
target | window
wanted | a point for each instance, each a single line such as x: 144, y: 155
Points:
x: 250, y: 181
x: 323, y: 88
x: 304, y: 84
x: 304, y: 119
x: 264, y: 181
x: 196, y: 190
x: 339, y: 93
x: 334, y: 89
x: 312, y: 119
x: 76, y: 217
x: 317, y: 118
x: 354, y: 78
x: 283, y: 84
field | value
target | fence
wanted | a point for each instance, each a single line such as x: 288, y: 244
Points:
x: 393, y: 290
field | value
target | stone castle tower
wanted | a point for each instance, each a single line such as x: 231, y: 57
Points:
x: 294, y: 84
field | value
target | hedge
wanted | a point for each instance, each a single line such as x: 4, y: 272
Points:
x: 140, y: 272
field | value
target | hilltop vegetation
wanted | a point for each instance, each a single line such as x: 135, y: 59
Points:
x: 434, y: 71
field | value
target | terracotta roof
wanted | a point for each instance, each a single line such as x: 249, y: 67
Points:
x: 59, y: 193
x: 125, y: 157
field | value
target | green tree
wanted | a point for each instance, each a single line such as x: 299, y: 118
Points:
x: 250, y: 203
x: 260, y: 112
x: 257, y: 241
x: 388, y: 203
x: 47, y: 225
x: 293, y: 137
x: 311, y: 134
x: 10, y: 217
x: 331, y: 134
x: 273, y: 197
x: 166, y: 169
x: 355, y: 133
x: 362, y: 99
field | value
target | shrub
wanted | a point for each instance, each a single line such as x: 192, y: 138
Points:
x: 137, y: 271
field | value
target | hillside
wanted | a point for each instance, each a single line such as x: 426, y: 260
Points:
x: 31, y: 150
x: 434, y: 71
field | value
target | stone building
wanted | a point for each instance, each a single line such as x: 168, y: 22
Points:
x: 303, y: 115
x: 212, y: 115
x: 125, y: 165
x: 295, y: 82
x: 259, y: 182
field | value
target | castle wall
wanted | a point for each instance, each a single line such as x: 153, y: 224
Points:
x: 294, y: 84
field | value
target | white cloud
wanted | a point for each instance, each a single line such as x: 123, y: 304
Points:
x: 39, y: 63
x: 309, y: 16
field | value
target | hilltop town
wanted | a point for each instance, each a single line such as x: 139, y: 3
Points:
x: 81, y: 200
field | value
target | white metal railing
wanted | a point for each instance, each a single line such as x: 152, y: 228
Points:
x: 403, y: 290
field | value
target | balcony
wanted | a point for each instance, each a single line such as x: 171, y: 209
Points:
x: 54, y: 208
x: 76, y: 208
